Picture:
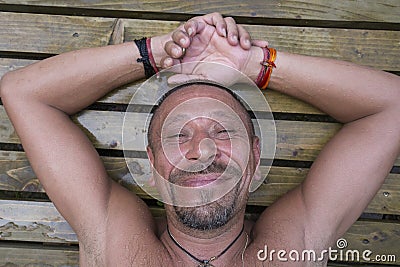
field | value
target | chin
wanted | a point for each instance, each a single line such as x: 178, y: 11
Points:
x: 210, y: 216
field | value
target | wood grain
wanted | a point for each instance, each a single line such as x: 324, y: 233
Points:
x: 15, y: 255
x: 346, y: 10
x: 295, y: 140
x: 50, y: 34
x: 17, y: 175
x: 278, y: 102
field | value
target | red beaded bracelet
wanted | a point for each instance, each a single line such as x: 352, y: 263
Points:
x: 151, y: 58
x: 267, y: 66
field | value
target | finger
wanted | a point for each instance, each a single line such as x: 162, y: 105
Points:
x: 173, y: 50
x: 167, y: 62
x: 259, y: 43
x: 233, y: 34
x: 244, y: 37
x: 193, y: 26
x: 182, y: 78
x: 215, y: 19
x: 181, y: 38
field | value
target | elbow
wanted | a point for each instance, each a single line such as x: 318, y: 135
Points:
x: 8, y: 87
x: 14, y: 88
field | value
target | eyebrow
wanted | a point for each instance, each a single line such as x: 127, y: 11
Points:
x: 215, y: 115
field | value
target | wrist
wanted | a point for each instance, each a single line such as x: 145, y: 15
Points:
x: 157, y: 47
x: 253, y: 67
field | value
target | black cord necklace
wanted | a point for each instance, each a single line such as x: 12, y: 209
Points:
x: 204, y: 263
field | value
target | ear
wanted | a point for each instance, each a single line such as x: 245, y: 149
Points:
x: 256, y: 150
x: 150, y: 155
x: 256, y: 154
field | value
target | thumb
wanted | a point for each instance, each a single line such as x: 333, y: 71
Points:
x: 259, y: 43
x: 167, y: 62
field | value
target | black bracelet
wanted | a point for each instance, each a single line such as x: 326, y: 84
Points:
x: 142, y: 46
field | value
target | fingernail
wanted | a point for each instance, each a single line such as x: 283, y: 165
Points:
x: 234, y: 38
x: 224, y: 32
x: 247, y: 41
x: 190, y: 31
x: 168, y: 62
x: 182, y: 41
x: 176, y: 51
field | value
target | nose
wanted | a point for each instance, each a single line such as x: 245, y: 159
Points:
x: 201, y: 148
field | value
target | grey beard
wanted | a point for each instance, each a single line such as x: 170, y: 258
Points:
x: 215, y: 214
x: 209, y: 216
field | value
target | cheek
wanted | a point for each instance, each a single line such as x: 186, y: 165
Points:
x: 237, y: 150
x: 173, y: 154
x: 161, y: 163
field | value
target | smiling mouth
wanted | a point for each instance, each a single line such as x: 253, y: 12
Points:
x: 198, y: 180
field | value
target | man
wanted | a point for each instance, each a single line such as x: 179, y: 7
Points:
x: 115, y: 228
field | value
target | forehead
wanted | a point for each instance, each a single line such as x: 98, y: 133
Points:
x: 199, y: 98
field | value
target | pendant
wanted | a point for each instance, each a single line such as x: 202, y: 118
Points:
x: 206, y: 263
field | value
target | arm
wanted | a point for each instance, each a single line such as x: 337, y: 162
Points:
x: 353, y: 165
x: 38, y: 100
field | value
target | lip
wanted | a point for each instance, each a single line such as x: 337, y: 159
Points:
x: 200, y: 180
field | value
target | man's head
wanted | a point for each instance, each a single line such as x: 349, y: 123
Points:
x: 202, y: 135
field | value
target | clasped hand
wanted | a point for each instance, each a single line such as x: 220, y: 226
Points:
x: 208, y: 39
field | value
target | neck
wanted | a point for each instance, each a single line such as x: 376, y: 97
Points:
x: 205, y: 244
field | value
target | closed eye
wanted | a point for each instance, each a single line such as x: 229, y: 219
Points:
x: 179, y: 137
x: 224, y: 134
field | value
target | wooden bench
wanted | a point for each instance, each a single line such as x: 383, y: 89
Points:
x: 32, y: 233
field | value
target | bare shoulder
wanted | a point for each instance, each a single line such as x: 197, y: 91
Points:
x: 282, y: 226
x: 130, y: 237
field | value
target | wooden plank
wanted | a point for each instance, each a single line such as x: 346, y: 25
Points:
x: 282, y: 179
x: 39, y: 222
x: 34, y: 221
x: 368, y: 10
x: 13, y: 255
x: 380, y: 238
x: 277, y: 101
x: 10, y: 64
x: 29, y: 221
x: 52, y: 34
x: 17, y: 175
x: 296, y: 140
x: 365, y: 47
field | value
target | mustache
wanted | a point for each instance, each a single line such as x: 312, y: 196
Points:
x: 199, y: 169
